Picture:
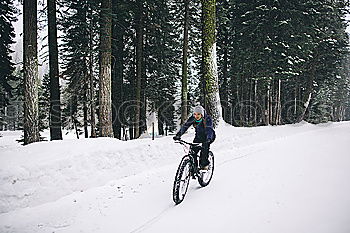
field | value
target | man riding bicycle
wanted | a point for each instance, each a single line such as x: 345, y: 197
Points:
x: 205, y: 134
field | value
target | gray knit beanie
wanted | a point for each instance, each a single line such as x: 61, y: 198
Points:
x: 199, y: 109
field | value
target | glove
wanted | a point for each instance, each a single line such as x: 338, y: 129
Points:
x: 177, y: 137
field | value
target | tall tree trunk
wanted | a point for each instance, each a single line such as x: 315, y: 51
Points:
x: 306, y: 100
x: 106, y: 129
x: 143, y: 104
x: 270, y: 102
x: 184, y: 80
x: 295, y: 100
x: 224, y: 88
x: 267, y: 104
x: 309, y: 88
x: 85, y: 109
x: 139, y: 57
x: 31, y: 79
x: 131, y: 132
x: 117, y: 73
x: 236, y: 102
x: 55, y: 103
x: 210, y: 75
x: 256, y: 102
x: 92, y: 103
x: 91, y: 79
x: 279, y: 105
x: 275, y: 102
x: 161, y: 121
x: 249, y: 109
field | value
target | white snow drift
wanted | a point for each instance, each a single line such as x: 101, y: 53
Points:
x: 290, y: 178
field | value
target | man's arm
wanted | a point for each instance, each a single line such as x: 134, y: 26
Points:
x: 185, y: 126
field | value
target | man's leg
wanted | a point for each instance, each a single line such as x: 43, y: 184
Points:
x: 195, y: 156
x: 203, y: 160
x: 196, y: 150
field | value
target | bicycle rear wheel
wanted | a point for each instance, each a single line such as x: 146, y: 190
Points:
x: 182, y: 179
x: 204, y: 178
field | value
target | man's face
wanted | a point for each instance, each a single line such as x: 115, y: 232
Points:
x: 198, y: 116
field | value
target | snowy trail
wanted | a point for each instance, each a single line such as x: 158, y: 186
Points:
x: 294, y: 182
x: 271, y: 198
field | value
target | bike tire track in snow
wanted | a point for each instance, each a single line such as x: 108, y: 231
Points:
x: 154, y: 219
x: 160, y: 183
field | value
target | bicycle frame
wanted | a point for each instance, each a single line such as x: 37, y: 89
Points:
x: 191, y: 153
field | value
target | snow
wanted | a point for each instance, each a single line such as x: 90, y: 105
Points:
x: 291, y: 178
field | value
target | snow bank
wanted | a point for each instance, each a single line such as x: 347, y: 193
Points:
x: 46, y: 171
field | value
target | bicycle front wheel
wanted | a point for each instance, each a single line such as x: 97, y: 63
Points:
x: 182, y: 179
x: 204, y: 178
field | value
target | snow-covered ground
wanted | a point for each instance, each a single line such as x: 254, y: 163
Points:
x: 290, y: 179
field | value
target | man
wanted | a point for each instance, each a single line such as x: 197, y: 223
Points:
x: 205, y: 133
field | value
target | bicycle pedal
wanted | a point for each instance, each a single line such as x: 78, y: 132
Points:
x: 204, y: 169
x: 193, y: 176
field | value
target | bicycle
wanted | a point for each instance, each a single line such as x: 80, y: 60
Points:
x: 189, y: 168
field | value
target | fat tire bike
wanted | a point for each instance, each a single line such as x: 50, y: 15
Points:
x: 188, y: 168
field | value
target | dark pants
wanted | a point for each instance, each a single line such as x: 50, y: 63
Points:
x: 203, y: 158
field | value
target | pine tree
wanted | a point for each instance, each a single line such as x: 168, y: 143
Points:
x: 210, y: 76
x: 31, y: 115
x: 184, y: 80
x: 224, y: 42
x: 332, y: 51
x: 178, y: 15
x: 15, y: 111
x: 79, y: 53
x: 7, y: 11
x: 163, y: 66
x: 105, y: 84
x: 121, y: 23
x: 139, y: 24
x: 278, y: 56
x: 44, y: 103
x: 55, y: 102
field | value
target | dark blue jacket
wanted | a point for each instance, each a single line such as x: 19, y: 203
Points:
x: 204, y: 129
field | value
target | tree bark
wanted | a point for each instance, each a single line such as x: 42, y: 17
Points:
x: 117, y: 75
x: 31, y: 79
x: 270, y: 102
x: 91, y: 80
x: 256, y: 102
x: 309, y: 88
x: 267, y: 104
x: 55, y: 102
x: 139, y: 57
x: 224, y: 88
x: 106, y: 129
x: 210, y: 75
x: 184, y: 80
x: 85, y: 109
x: 279, y: 104
x: 143, y: 87
x: 160, y: 123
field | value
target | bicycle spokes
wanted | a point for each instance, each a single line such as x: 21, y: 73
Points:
x: 182, y: 179
x: 185, y: 180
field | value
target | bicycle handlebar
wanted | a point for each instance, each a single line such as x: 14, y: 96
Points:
x: 188, y: 143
